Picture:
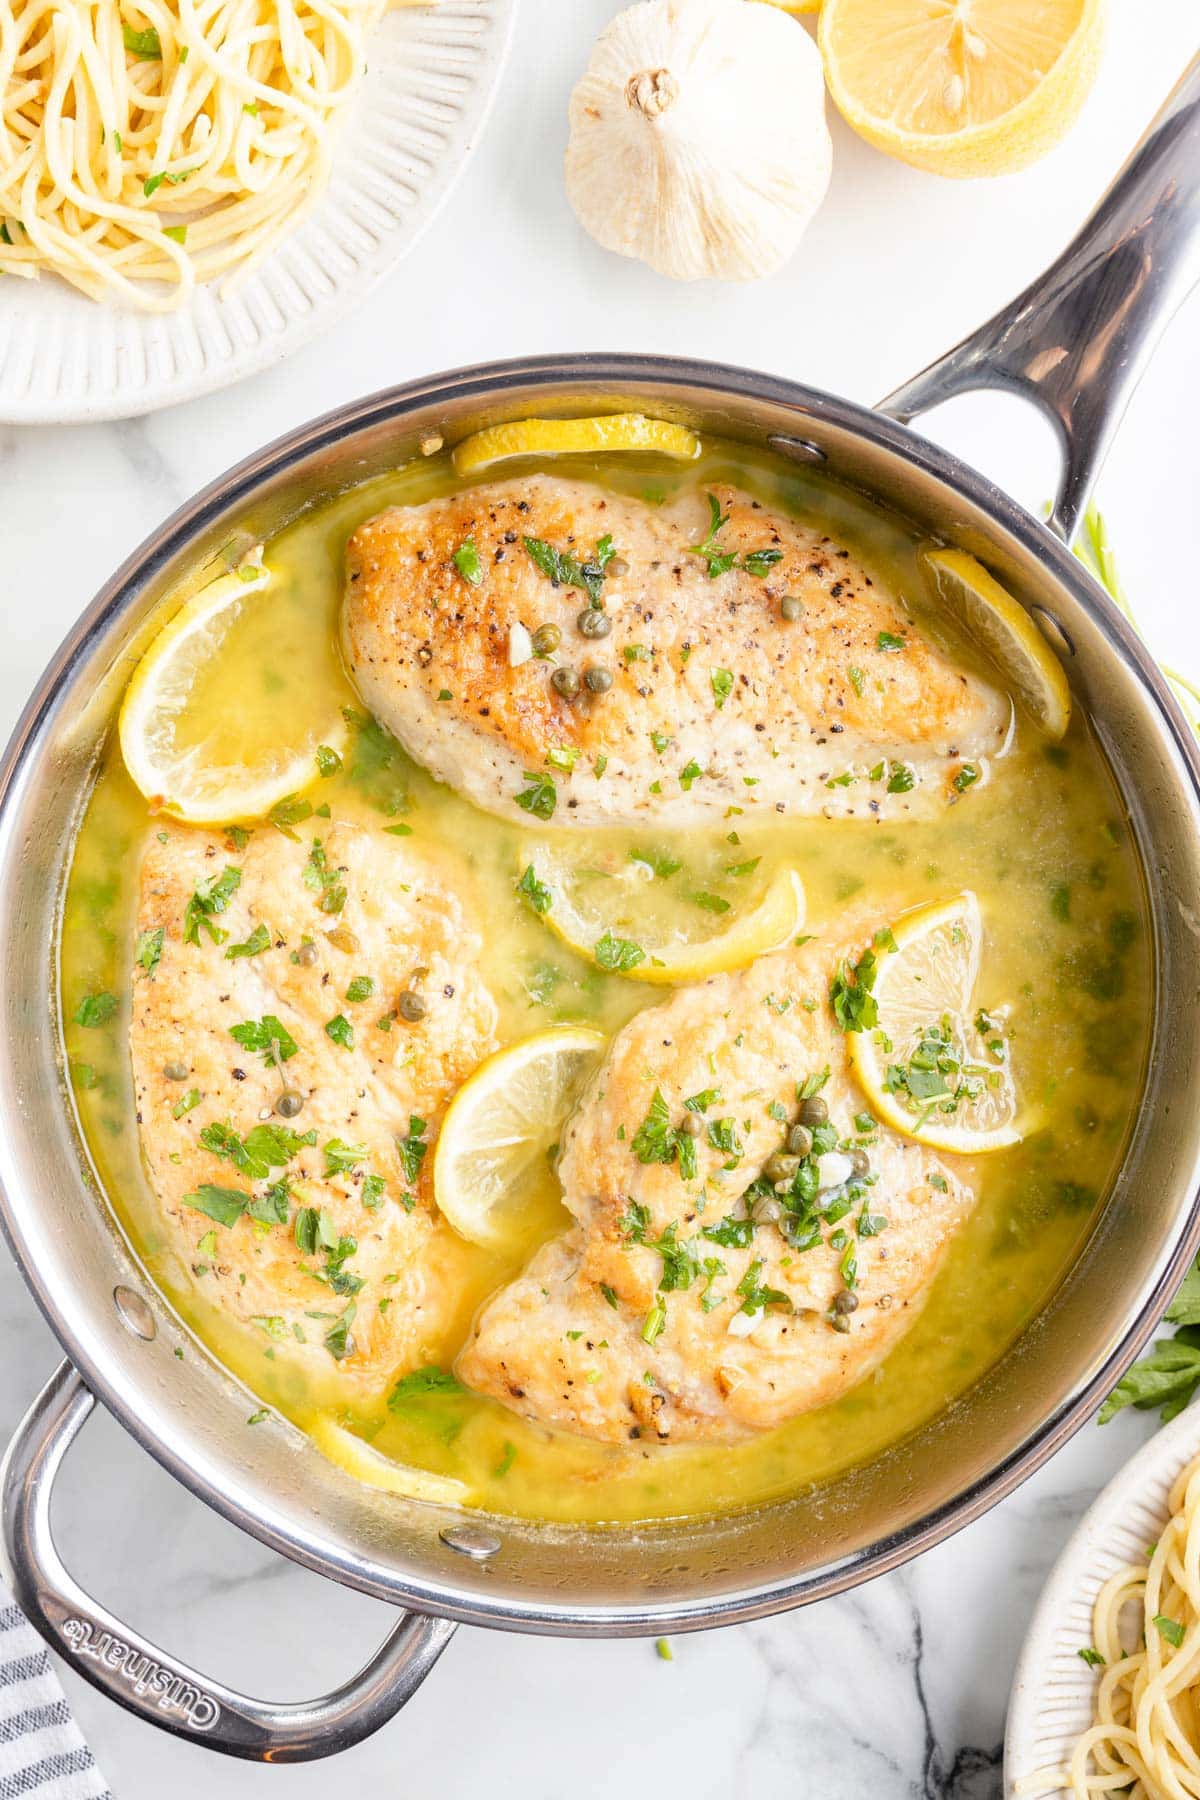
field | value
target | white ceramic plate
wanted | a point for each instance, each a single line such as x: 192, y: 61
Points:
x: 1053, y: 1692
x: 432, y: 74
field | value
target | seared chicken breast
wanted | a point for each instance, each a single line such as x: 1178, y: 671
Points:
x: 560, y: 653
x: 667, y: 1313
x: 284, y: 1097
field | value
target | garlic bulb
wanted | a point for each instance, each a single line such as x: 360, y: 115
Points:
x: 698, y: 138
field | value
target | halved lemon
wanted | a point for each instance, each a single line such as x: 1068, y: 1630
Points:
x: 961, y: 87
x: 493, y: 1150
x: 190, y: 751
x: 365, y: 1464
x: 574, y: 437
x: 1002, y: 628
x: 604, y: 909
x: 933, y: 1067
x: 796, y: 6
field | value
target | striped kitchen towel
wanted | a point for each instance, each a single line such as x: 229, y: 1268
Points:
x: 42, y: 1753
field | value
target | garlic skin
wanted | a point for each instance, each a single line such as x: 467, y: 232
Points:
x: 698, y: 138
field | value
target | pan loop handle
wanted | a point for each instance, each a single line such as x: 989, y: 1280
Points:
x: 148, y: 1681
x: 1078, y: 339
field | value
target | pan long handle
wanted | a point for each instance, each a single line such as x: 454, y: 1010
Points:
x: 1077, y: 340
x: 148, y: 1681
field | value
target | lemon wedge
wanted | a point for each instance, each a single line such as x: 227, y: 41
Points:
x: 207, y: 762
x: 1001, y: 627
x: 574, y: 437
x: 494, y: 1146
x: 961, y: 87
x: 358, y: 1459
x: 933, y: 1067
x: 604, y: 911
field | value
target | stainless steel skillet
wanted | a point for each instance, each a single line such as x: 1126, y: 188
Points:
x: 1074, y: 343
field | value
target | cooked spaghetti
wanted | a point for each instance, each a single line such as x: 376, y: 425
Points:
x: 147, y: 147
x: 1145, y: 1737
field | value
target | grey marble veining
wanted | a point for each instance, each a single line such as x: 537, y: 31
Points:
x: 897, y: 1691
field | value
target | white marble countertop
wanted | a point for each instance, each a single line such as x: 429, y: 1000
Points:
x: 898, y: 1689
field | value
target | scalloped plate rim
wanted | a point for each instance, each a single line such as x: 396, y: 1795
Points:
x: 74, y: 404
x: 1052, y: 1692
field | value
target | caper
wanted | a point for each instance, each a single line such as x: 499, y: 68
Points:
x: 344, y: 939
x: 691, y: 1125
x: 289, y: 1103
x: 307, y: 954
x: 768, y: 1212
x: 839, y: 1321
x: 799, y: 1140
x: 175, y: 1071
x: 791, y: 607
x: 410, y: 1006
x: 860, y: 1162
x: 813, y: 1111
x: 597, y: 681
x: 845, y: 1302
x: 617, y: 565
x: 779, y: 1167
x: 593, y: 623
x: 546, y: 639
x: 565, y: 682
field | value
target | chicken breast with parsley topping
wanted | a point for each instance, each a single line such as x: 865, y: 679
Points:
x: 692, y: 1300
x: 696, y: 655
x: 288, y: 1082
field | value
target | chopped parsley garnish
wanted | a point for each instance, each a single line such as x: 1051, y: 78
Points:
x: 610, y: 1295
x: 730, y: 1233
x: 888, y: 640
x: 966, y: 777
x: 854, y: 1005
x: 361, y: 988
x: 690, y: 773
x: 340, y: 1031
x: 713, y: 903
x: 618, y: 953
x: 323, y: 881
x: 703, y: 1100
x: 758, y: 562
x: 147, y: 952
x: 411, y: 1149
x: 225, y: 1205
x: 563, y: 570
x: 267, y: 1036
x: 756, y: 1297
x: 338, y: 1340
x: 258, y: 941
x: 466, y: 561
x: 293, y: 809
x: 340, y: 1156
x: 210, y: 898
x: 378, y: 766
x: 901, y: 779
x: 264, y: 1148
x: 721, y: 682
x: 536, y: 895
x: 427, y: 1383
x: 857, y: 679
x: 657, y: 1141
x: 145, y: 45
x: 1171, y: 1629
x: 186, y: 1102
x: 1091, y: 1657
x: 539, y: 796
x: 96, y: 1009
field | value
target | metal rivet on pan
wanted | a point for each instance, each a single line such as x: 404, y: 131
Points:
x: 1052, y: 631
x: 799, y: 449
x: 134, y: 1313
x: 470, y: 1541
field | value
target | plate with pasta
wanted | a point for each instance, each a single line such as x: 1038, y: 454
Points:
x: 1107, y: 1692
x: 191, y: 188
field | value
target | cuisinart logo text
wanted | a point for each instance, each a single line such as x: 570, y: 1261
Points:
x: 170, y: 1692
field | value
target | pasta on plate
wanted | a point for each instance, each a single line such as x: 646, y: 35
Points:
x: 146, y: 149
